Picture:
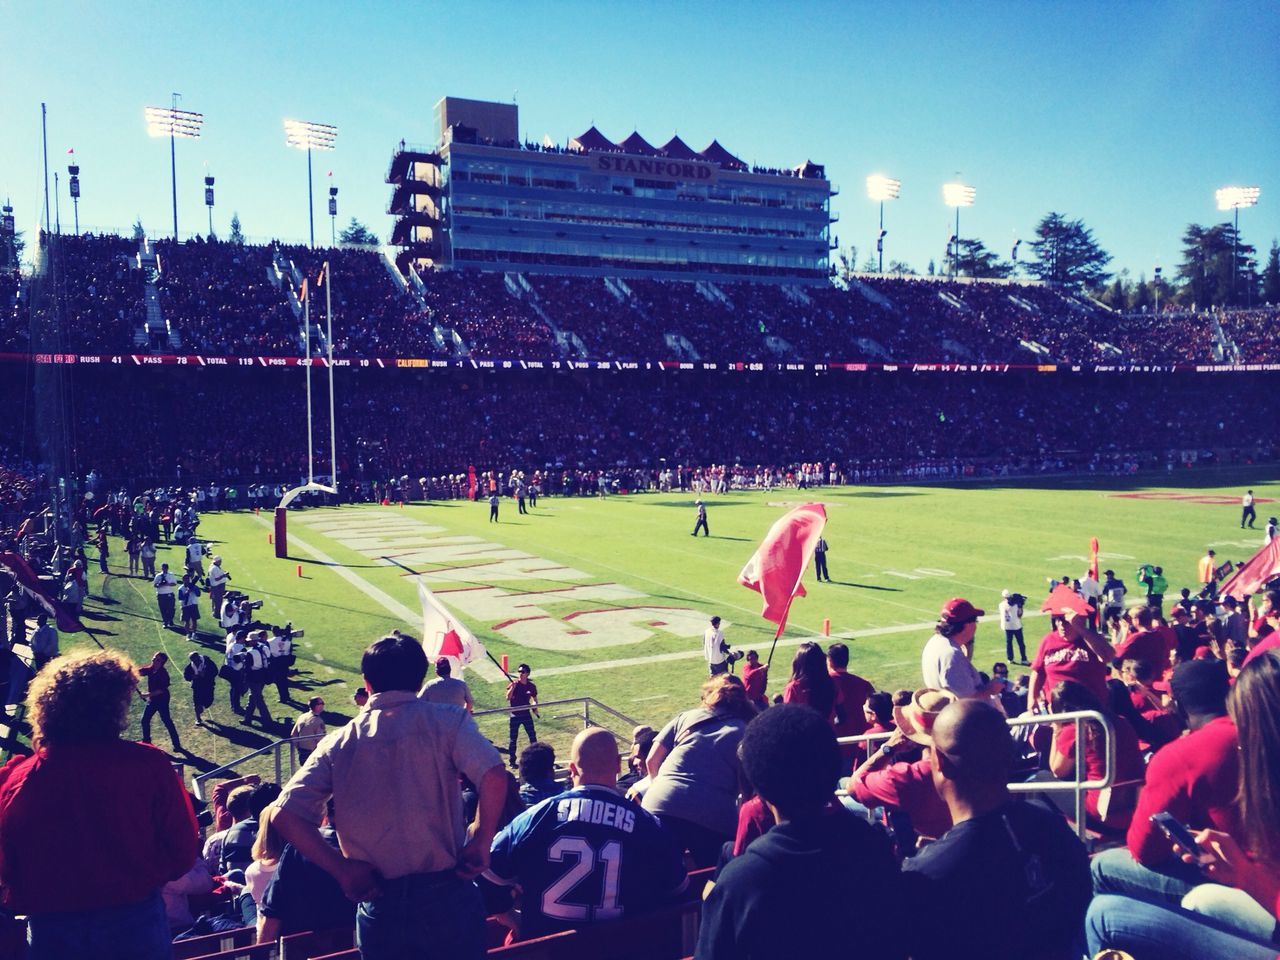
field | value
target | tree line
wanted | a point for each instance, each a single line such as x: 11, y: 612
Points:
x: 1217, y: 268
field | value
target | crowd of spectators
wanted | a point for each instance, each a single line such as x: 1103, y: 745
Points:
x: 222, y: 298
x: 1256, y: 333
x: 14, y: 335
x: 891, y: 425
x: 372, y: 315
x: 754, y: 799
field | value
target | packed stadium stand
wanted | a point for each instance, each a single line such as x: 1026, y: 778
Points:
x: 220, y: 299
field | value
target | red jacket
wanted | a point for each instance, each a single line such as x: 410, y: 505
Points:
x: 1195, y: 778
x: 91, y: 825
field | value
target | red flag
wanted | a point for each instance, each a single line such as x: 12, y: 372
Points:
x: 1093, y: 558
x: 71, y: 150
x: 29, y: 583
x: 1063, y: 598
x: 1251, y: 577
x: 471, y: 482
x: 776, y: 568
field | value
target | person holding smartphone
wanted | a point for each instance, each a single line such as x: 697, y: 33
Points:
x: 1233, y: 912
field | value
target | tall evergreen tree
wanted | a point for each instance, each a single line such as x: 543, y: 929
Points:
x: 237, y: 234
x: 1211, y: 258
x: 1065, y: 251
x: 357, y: 232
x: 1271, y: 275
x: 974, y: 260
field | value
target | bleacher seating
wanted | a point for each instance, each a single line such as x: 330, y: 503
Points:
x: 221, y: 298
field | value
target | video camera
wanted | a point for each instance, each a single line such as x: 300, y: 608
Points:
x: 236, y: 597
x: 1017, y: 600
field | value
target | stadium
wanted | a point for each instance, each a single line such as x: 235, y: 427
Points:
x: 592, y: 556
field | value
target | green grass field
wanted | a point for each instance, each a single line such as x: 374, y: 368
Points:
x: 608, y: 598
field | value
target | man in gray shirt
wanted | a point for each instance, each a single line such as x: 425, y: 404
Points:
x: 392, y: 772
x: 448, y: 689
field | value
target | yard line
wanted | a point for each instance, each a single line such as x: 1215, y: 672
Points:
x: 481, y: 668
x: 791, y: 642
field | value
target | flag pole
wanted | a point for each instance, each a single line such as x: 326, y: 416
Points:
x: 397, y: 563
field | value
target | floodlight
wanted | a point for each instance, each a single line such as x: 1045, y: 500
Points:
x: 957, y: 195
x: 172, y: 122
x: 1233, y: 198
x: 882, y: 188
x: 305, y: 135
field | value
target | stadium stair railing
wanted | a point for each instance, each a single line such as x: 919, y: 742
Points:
x: 1078, y: 786
x: 586, y: 712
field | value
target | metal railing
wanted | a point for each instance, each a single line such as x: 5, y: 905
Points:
x: 1080, y: 785
x: 284, y: 753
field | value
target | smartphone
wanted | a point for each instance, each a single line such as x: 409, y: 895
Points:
x: 1177, y: 832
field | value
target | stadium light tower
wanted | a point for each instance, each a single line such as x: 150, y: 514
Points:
x: 882, y: 188
x: 1233, y: 198
x: 957, y: 195
x: 173, y: 123
x: 308, y: 136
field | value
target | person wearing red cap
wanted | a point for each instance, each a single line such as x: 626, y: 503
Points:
x: 945, y: 661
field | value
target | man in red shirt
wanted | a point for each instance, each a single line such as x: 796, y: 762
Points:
x: 755, y: 677
x: 521, y: 692
x: 91, y: 826
x: 1070, y: 652
x: 896, y: 777
x: 1194, y: 778
x: 851, y: 693
x: 1151, y: 641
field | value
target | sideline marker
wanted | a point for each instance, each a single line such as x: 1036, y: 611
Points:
x: 299, y: 569
x: 270, y: 537
x: 506, y: 664
x: 826, y: 626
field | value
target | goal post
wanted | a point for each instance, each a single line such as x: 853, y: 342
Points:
x: 281, y: 534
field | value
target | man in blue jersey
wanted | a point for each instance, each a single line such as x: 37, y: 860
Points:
x: 589, y: 854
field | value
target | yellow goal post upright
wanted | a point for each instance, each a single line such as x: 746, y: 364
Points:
x: 282, y: 513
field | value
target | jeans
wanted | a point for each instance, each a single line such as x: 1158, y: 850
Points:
x: 422, y: 916
x: 1115, y: 871
x: 515, y: 723
x: 1151, y: 930
x: 159, y: 706
x: 1009, y: 637
x: 1233, y: 908
x: 136, y: 931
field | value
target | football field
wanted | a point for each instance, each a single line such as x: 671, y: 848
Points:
x: 608, y: 598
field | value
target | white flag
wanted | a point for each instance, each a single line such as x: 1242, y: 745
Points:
x: 443, y: 635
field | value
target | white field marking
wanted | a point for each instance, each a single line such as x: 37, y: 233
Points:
x: 413, y: 619
x: 791, y: 642
x: 160, y: 630
x: 657, y: 696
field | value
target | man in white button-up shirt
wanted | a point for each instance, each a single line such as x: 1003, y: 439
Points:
x: 392, y: 772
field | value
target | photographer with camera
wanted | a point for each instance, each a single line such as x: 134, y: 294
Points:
x: 233, y: 669
x: 1011, y: 606
x: 281, y: 658
x: 257, y: 668
x: 217, y: 581
x: 1113, y: 591
x: 716, y: 650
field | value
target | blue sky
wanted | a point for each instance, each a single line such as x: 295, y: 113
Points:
x: 1125, y: 114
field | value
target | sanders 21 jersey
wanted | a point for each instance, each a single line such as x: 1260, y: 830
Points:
x: 586, y: 856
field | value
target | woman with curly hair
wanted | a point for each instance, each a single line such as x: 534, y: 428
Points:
x: 694, y: 770
x: 91, y: 826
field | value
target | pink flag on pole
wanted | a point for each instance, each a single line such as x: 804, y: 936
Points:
x: 1063, y: 600
x: 776, y: 569
x: 1252, y: 576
